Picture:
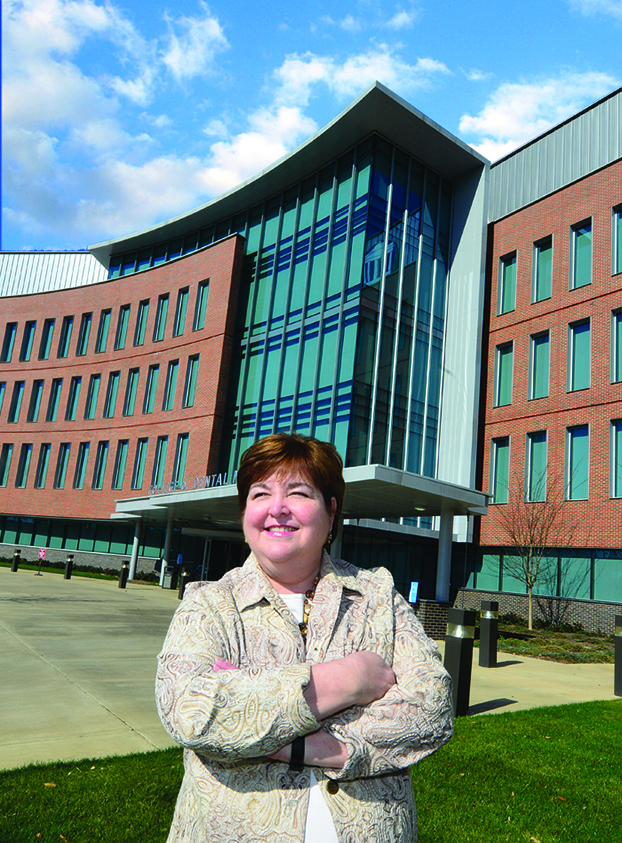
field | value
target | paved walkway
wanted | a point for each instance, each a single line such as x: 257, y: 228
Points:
x: 77, y: 661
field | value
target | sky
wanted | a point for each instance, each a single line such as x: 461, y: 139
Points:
x: 119, y: 115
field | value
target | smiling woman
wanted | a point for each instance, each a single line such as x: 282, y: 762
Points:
x: 301, y: 687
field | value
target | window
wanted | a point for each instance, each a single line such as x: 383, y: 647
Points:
x: 616, y: 240
x: 23, y: 465
x: 535, y: 466
x: 81, y: 461
x: 581, y: 255
x: 84, y: 334
x: 35, y: 401
x: 579, y: 341
x: 129, y: 402
x: 2, y: 391
x: 200, y: 307
x: 72, y: 398
x: 111, y: 394
x: 91, y: 397
x: 124, y: 321
x: 157, y: 475
x: 102, y: 331
x: 500, y: 469
x: 141, y: 322
x: 616, y: 346
x: 42, y: 465
x: 9, y: 341
x: 542, y: 269
x: 179, y: 322
x: 139, y: 463
x: 120, y: 461
x: 506, y: 297
x: 5, y: 463
x: 179, y: 464
x: 150, y: 388
x: 616, y: 459
x: 16, y: 401
x: 27, y: 341
x: 190, y: 385
x: 539, y: 355
x: 170, y: 385
x: 577, y: 462
x: 46, y: 339
x: 160, y: 320
x: 61, y: 465
x: 504, y: 365
x: 65, y: 336
x: 54, y: 400
x: 101, y: 458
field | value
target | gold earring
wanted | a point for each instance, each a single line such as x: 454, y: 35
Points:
x: 330, y: 539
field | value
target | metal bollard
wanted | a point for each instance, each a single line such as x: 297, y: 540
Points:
x: 459, y: 656
x: 617, y: 674
x: 68, y: 566
x: 125, y: 572
x: 183, y: 580
x: 488, y: 633
x: 17, y: 555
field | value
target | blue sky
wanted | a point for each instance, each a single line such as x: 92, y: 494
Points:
x: 118, y: 115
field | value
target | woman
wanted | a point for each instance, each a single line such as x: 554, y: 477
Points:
x: 301, y: 687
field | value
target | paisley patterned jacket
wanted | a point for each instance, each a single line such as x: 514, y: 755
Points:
x: 229, y: 720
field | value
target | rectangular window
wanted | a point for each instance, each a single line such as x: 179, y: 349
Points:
x: 9, y: 341
x: 42, y: 465
x: 72, y: 398
x: 616, y: 346
x: 616, y: 459
x: 5, y: 463
x: 190, y: 384
x: 81, y: 461
x: 16, y: 401
x: 181, y: 307
x: 121, y: 333
x: 542, y: 269
x: 111, y: 394
x: 61, y: 465
x: 179, y: 464
x: 170, y: 385
x: 581, y: 254
x: 101, y: 458
x: 151, y: 388
x: 129, y: 401
x: 139, y: 463
x: 65, y: 336
x: 577, y: 462
x: 120, y: 461
x: 2, y: 391
x: 539, y: 357
x: 83, y: 335
x: 159, y: 327
x: 506, y: 297
x: 141, y: 322
x: 579, y: 364
x: 23, y: 465
x: 535, y: 466
x: 27, y: 341
x: 200, y: 307
x: 102, y: 331
x: 35, y: 401
x: 46, y: 339
x: 504, y: 366
x: 500, y: 469
x: 91, y: 397
x: 54, y: 400
x: 159, y: 461
x: 616, y: 240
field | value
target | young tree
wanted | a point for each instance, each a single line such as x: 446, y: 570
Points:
x: 531, y: 526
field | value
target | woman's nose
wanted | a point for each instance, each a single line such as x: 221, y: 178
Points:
x: 278, y: 505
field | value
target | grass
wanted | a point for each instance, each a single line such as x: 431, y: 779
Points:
x: 80, y: 571
x: 570, y: 645
x: 547, y: 775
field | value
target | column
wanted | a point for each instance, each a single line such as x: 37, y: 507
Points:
x: 443, y: 565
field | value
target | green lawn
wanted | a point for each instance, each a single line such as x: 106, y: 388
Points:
x: 550, y: 775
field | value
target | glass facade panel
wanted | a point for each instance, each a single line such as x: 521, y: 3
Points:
x: 577, y: 462
x: 542, y: 269
x: 507, y: 284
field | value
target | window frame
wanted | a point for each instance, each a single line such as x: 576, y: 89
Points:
x: 570, y: 470
x: 616, y: 239
x: 64, y: 341
x: 503, y: 281
x: 92, y: 396
x: 494, y: 482
x: 34, y: 405
x: 170, y: 385
x: 498, y: 372
x: 571, y: 355
x: 103, y: 330
x: 43, y: 463
x: 56, y: 389
x: 73, y: 397
x: 538, y: 246
x: 8, y: 343
x: 181, y: 309
x: 200, y: 305
x: 82, y: 458
x: 151, y: 388
x: 530, y: 481
x: 28, y: 340
x: 533, y: 376
x: 6, y: 456
x: 47, y: 335
x: 120, y: 464
x: 140, y: 460
x: 159, y: 324
x: 112, y: 393
x: 142, y: 317
x: 84, y: 334
x: 62, y: 462
x: 123, y: 321
x: 101, y: 460
x: 17, y: 399
x: 23, y: 465
x: 131, y: 391
x: 190, y: 381
x: 575, y: 231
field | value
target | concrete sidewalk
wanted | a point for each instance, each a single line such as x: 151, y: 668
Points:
x: 78, y: 660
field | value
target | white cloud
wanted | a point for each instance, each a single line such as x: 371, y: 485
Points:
x: 193, y: 45
x: 610, y: 8
x: 475, y: 75
x: 401, y: 20
x: 518, y: 112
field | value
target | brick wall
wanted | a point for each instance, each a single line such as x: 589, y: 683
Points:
x: 433, y: 617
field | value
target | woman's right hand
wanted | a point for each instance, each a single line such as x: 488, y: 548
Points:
x: 370, y: 675
x: 357, y: 679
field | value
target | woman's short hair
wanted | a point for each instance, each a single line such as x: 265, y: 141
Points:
x: 289, y: 453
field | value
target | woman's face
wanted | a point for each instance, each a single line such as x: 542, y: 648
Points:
x: 286, y: 525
